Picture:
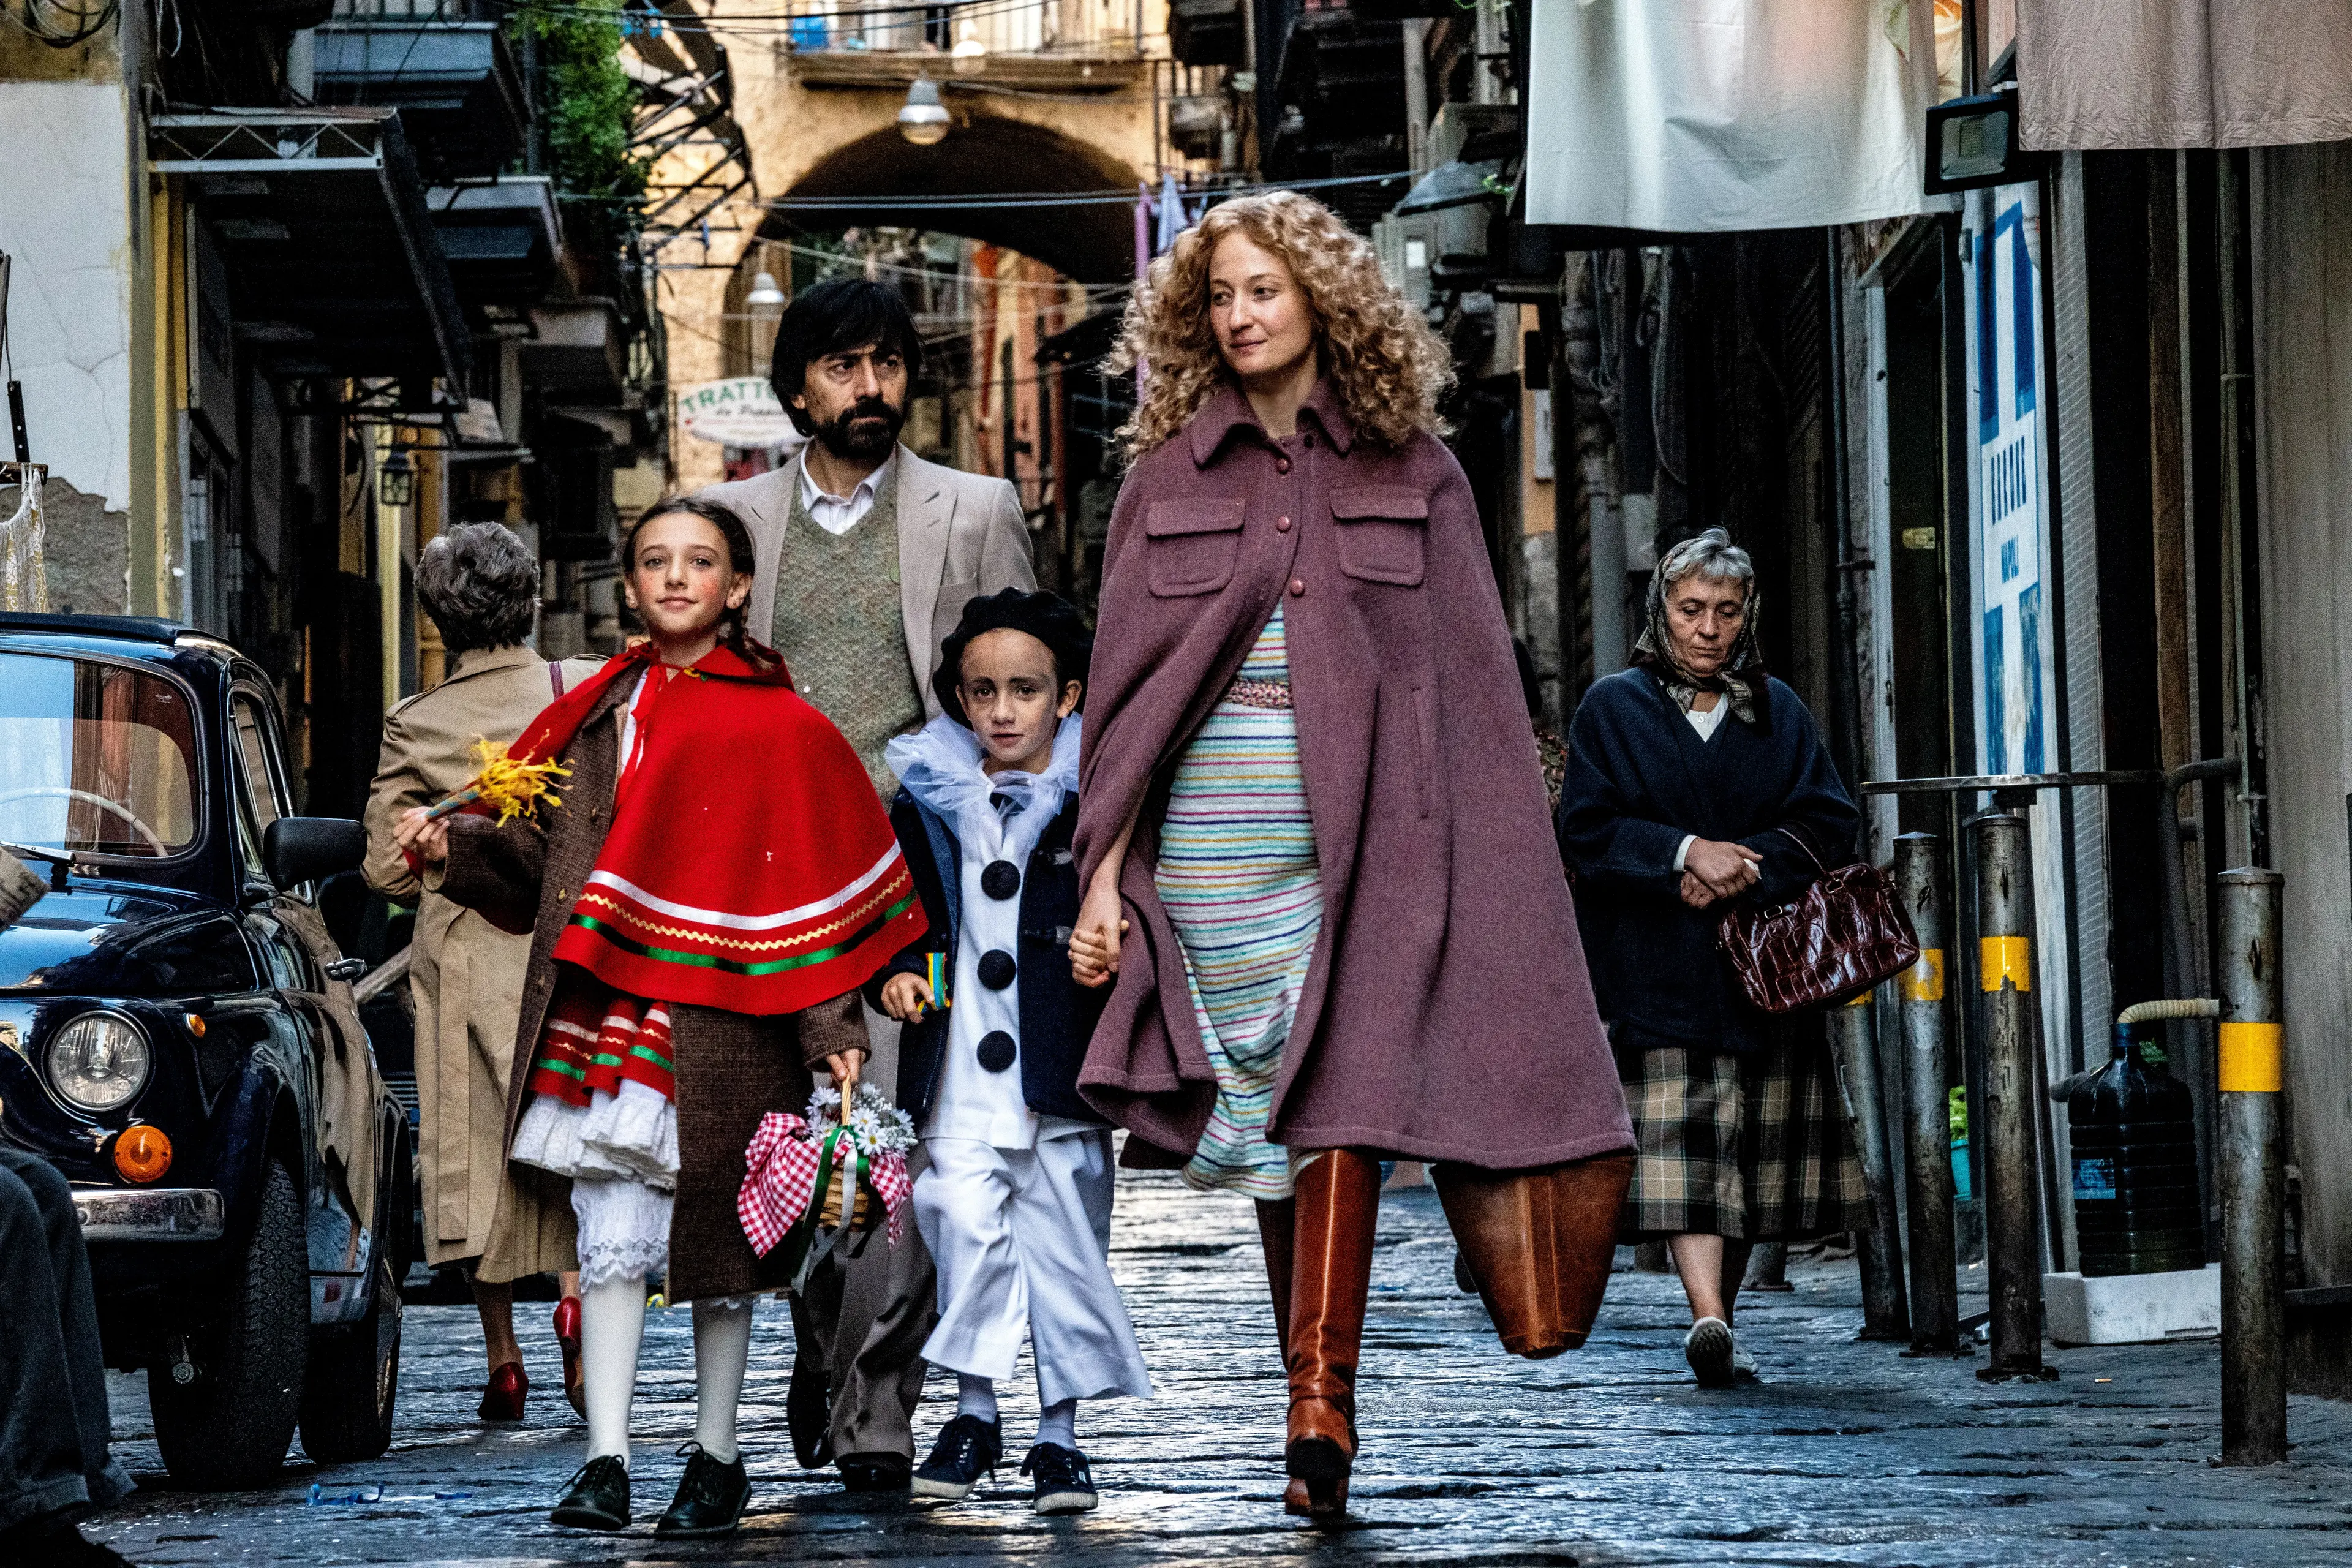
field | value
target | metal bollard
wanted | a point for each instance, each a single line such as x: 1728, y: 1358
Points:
x: 1920, y: 879
x: 2250, y: 1173
x: 2012, y: 1204
x: 1879, y: 1242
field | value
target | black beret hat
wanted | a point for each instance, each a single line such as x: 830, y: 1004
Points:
x: 1050, y: 618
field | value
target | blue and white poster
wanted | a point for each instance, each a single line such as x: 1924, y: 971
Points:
x: 2014, y: 733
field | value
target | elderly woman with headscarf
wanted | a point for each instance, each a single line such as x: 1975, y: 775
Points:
x: 1696, y: 782
x: 479, y: 582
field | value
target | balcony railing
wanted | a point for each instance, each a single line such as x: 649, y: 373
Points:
x: 1100, y: 27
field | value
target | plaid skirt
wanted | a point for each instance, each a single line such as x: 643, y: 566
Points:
x: 1752, y: 1148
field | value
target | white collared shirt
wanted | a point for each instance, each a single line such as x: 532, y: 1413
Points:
x: 838, y: 514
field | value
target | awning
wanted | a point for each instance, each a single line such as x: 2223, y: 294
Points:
x: 1459, y: 184
x: 334, y: 268
x: 455, y: 83
x: 501, y: 239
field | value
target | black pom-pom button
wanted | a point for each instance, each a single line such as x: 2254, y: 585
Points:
x: 1000, y: 878
x: 997, y: 969
x: 996, y: 1050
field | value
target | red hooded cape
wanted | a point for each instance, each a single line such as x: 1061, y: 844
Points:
x: 749, y: 866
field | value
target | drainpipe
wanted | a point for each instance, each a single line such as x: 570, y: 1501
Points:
x: 1416, y: 94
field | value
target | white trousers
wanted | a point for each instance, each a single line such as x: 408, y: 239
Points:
x: 1022, y: 1241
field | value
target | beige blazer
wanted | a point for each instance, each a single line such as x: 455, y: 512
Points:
x: 466, y: 975
x: 960, y: 536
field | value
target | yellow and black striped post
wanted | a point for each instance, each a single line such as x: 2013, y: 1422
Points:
x: 2250, y: 1173
x: 2012, y: 1208
x: 1921, y: 880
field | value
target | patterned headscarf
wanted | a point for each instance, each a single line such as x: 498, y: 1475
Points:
x: 1741, y: 677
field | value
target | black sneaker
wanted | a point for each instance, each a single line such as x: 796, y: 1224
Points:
x: 598, y: 1497
x: 1065, y: 1482
x: 968, y: 1449
x: 710, y: 1501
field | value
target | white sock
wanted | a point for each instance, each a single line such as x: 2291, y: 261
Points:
x: 722, y: 1347
x: 612, y: 1325
x: 1058, y: 1423
x: 975, y: 1396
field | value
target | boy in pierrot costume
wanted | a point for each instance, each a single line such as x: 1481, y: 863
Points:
x: 708, y: 894
x: 1014, y: 1201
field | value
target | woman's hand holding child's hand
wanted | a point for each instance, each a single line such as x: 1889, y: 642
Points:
x: 424, y: 835
x: 905, y: 996
x: 1094, y: 941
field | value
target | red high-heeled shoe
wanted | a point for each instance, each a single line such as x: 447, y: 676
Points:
x: 502, y: 1397
x: 567, y: 1334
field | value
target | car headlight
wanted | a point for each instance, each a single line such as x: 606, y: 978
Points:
x: 99, y: 1060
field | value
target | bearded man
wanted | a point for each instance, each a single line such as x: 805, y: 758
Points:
x: 866, y: 557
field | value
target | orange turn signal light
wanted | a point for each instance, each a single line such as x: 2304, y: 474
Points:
x: 142, y: 1154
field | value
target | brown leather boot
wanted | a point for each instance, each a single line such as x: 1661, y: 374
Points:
x: 1277, y: 1225
x: 1339, y: 1200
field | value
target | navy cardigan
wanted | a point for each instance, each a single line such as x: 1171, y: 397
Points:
x: 1639, y: 778
x: 1057, y: 1013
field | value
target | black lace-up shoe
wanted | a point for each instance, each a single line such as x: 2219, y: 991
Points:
x: 968, y: 1449
x: 598, y: 1497
x: 1065, y: 1484
x: 710, y: 1501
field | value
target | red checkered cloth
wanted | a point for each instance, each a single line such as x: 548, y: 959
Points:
x: 780, y: 1182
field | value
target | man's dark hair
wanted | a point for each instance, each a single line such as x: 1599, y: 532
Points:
x: 835, y: 317
x: 481, y: 584
x: 1050, y: 618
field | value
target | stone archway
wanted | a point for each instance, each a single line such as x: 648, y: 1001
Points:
x: 820, y: 127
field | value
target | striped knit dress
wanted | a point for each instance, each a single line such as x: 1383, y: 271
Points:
x: 1237, y: 873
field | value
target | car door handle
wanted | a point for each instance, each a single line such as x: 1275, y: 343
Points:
x: 347, y: 969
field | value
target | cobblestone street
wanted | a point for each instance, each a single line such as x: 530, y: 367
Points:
x: 1844, y: 1453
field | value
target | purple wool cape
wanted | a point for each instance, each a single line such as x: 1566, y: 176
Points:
x: 1446, y: 1013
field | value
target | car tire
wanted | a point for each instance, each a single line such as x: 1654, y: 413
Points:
x: 232, y: 1425
x: 355, y: 1380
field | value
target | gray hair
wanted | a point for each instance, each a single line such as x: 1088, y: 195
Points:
x: 1712, y: 556
x: 481, y: 584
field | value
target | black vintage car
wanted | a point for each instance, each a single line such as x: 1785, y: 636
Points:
x: 177, y: 1035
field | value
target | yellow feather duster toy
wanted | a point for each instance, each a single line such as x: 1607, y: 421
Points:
x: 514, y: 787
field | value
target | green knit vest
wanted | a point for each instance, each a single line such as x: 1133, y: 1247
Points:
x: 839, y: 627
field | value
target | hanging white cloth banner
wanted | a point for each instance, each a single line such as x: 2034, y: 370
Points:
x: 1704, y: 116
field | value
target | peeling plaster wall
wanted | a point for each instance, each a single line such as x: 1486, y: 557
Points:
x: 65, y: 220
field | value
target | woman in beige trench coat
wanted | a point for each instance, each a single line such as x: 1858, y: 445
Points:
x: 481, y: 584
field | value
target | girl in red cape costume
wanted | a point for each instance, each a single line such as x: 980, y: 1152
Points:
x: 713, y: 886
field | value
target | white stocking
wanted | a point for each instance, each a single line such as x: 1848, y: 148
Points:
x: 612, y: 1325
x: 1058, y: 1423
x: 722, y: 1347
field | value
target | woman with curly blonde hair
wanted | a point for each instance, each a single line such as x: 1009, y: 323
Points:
x: 1312, y: 822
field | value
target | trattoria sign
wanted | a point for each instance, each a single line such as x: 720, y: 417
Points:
x: 741, y: 411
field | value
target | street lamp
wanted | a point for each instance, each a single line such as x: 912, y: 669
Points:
x: 924, y: 119
x: 969, y: 50
x: 764, y: 294
x: 395, y: 479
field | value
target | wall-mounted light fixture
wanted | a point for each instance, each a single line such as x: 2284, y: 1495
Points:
x: 1972, y: 142
x: 764, y: 294
x: 924, y: 119
x: 395, y: 479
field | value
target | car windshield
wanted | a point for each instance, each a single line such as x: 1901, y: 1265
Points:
x: 95, y: 758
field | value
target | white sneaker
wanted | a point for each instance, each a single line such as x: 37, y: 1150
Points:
x: 1712, y: 1354
x: 1743, y: 1364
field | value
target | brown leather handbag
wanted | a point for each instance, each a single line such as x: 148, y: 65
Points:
x: 1539, y: 1243
x: 1844, y: 934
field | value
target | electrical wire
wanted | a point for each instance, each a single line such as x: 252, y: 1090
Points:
x: 977, y: 202
x: 84, y: 22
